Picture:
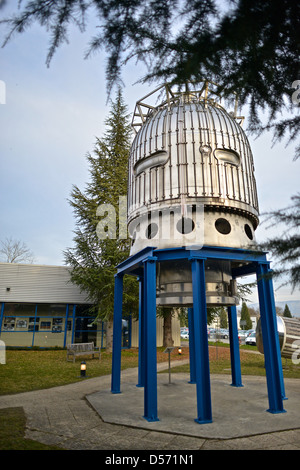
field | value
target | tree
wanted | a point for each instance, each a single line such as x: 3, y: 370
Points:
x: 15, y: 251
x: 251, y: 48
x: 97, y: 248
x: 286, y: 248
x: 215, y: 313
x: 223, y: 318
x: 279, y: 311
x: 287, y: 312
x: 182, y: 313
x: 254, y: 312
x: 245, y: 316
x: 248, y: 47
x: 167, y: 314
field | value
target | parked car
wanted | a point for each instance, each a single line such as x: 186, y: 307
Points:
x: 222, y: 333
x: 211, y: 332
x: 251, y: 339
x: 249, y: 332
x: 184, y: 333
x: 242, y: 334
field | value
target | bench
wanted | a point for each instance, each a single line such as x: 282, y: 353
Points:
x: 82, y: 349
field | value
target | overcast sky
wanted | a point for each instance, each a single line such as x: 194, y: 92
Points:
x: 49, y: 123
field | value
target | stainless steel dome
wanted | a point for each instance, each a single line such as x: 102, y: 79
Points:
x: 191, y: 179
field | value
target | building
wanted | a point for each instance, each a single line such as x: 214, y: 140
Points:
x: 41, y: 307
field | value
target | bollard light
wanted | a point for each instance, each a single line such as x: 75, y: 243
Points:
x: 82, y: 369
x: 179, y: 351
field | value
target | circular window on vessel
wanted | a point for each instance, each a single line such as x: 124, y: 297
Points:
x: 185, y: 225
x: 151, y: 231
x: 248, y: 231
x: 223, y: 226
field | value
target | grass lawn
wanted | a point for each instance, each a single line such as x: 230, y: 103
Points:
x: 251, y: 364
x: 13, y: 421
x: 27, y: 370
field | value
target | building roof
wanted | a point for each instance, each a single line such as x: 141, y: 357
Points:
x: 38, y: 284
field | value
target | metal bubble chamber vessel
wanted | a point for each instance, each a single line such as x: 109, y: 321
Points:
x: 191, y: 183
x: 192, y: 216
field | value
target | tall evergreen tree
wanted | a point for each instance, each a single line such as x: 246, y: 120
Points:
x: 287, y: 312
x: 223, y: 318
x: 99, y: 246
x: 286, y: 248
x: 245, y: 316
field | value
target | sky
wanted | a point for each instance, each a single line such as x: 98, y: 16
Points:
x: 49, y: 122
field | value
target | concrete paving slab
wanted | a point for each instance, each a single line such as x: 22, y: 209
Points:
x: 237, y: 411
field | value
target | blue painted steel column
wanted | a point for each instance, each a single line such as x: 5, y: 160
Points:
x: 270, y: 339
x: 234, y: 348
x: 141, y: 371
x: 150, y: 386
x: 191, y: 345
x: 201, y: 356
x: 117, y: 335
x: 1, y: 316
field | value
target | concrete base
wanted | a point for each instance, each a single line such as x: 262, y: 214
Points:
x: 236, y: 411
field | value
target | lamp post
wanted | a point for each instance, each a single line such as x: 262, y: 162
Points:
x: 83, y: 369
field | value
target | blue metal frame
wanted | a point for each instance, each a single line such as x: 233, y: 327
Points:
x: 117, y: 335
x: 150, y: 372
x: 143, y: 265
x: 141, y: 369
x: 201, y: 356
x: 234, y: 348
x: 191, y: 346
x: 271, y: 346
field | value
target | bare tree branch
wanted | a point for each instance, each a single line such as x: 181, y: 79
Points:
x: 15, y: 251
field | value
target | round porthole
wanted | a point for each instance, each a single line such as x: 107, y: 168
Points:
x: 185, y: 225
x: 151, y: 231
x: 223, y: 226
x: 248, y: 231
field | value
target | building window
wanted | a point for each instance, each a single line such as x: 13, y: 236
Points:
x: 54, y: 325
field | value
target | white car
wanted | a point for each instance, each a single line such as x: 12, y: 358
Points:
x: 184, y: 335
x: 251, y: 339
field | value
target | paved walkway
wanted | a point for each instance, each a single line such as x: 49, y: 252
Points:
x: 86, y: 416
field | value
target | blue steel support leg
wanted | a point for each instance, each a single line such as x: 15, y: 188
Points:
x: 150, y: 386
x: 191, y: 345
x: 117, y: 335
x: 141, y: 371
x: 234, y: 348
x: 201, y: 356
x: 270, y: 339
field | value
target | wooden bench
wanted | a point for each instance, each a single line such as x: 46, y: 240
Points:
x: 82, y: 349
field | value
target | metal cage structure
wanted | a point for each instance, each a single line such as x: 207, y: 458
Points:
x: 143, y: 265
